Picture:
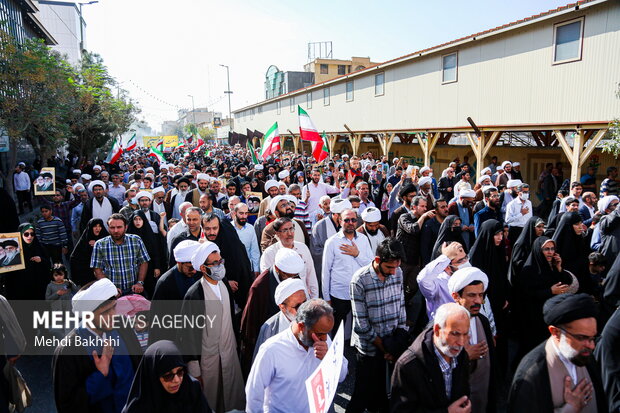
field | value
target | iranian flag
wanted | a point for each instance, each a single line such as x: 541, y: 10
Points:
x: 160, y: 145
x: 115, y: 152
x: 130, y: 144
x: 271, y: 142
x: 322, y: 153
x: 156, y: 153
x: 209, y: 153
x: 307, y: 130
x: 200, y: 143
x: 250, y: 147
x: 181, y: 144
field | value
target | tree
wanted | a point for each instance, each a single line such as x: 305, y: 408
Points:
x: 612, y: 142
x: 35, y: 96
x: 98, y: 116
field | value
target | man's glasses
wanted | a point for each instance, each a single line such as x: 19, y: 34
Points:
x: 580, y: 337
x: 285, y: 230
x: 349, y: 220
x: 168, y: 377
x: 28, y: 234
x: 215, y: 263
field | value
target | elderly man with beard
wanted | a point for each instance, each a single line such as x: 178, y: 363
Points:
x: 178, y: 196
x: 433, y: 373
x: 289, y: 295
x: 247, y: 235
x: 271, y: 187
x: 468, y: 288
x: 561, y: 374
x: 145, y: 199
x: 345, y: 252
x: 194, y: 195
x: 285, y: 361
x: 282, y: 206
x: 100, y: 206
x: 95, y: 378
x: 261, y: 302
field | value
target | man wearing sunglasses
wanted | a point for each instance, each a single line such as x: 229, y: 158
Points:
x: 561, y: 372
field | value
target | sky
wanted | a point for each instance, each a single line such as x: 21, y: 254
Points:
x: 162, y: 51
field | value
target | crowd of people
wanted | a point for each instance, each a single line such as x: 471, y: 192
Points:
x: 453, y: 295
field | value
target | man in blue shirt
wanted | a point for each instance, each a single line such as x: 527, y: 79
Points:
x: 491, y: 209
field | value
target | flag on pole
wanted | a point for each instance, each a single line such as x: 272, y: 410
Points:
x: 271, y: 142
x: 323, y: 152
x: 209, y: 153
x: 197, y: 148
x: 253, y: 153
x: 307, y: 130
x: 156, y: 153
x: 115, y: 152
x: 130, y: 144
x: 181, y: 144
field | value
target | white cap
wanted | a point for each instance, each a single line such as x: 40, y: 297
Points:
x: 200, y: 255
x: 371, y: 214
x: 184, y: 250
x: 289, y: 261
x: 467, y: 193
x: 201, y: 176
x: 75, y: 171
x: 143, y: 194
x: 283, y: 174
x: 506, y: 163
x: 484, y: 177
x: 287, y: 288
x: 463, y: 277
x: 513, y: 183
x: 97, y: 167
x: 337, y: 205
x: 98, y: 293
x: 485, y: 170
x: 292, y: 198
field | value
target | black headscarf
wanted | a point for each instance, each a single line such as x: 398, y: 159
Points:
x: 448, y: 234
x: 522, y: 248
x: 491, y: 259
x: 81, y: 273
x: 574, y: 250
x: 148, y: 237
x: 147, y: 394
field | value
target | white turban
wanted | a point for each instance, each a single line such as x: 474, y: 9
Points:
x: 79, y: 187
x: 283, y: 174
x: 463, y: 277
x: 143, y: 194
x: 201, y: 177
x: 184, y: 250
x: 424, y: 169
x: 200, y: 255
x: 516, y: 164
x: 287, y: 288
x: 158, y: 190
x: 483, y: 178
x: 96, y: 167
x: 506, y: 163
x: 604, y: 202
x: 289, y: 261
x: 513, y: 183
x: 484, y: 188
x: 150, y: 169
x: 77, y: 171
x: 371, y: 214
x: 337, y: 205
x: 485, y: 170
x: 258, y: 167
x: 96, y: 183
x: 89, y: 299
x: 273, y: 204
x: 272, y: 183
x: 467, y: 193
x: 86, y: 176
x: 425, y: 180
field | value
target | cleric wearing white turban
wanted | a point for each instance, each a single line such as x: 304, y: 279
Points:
x: 184, y: 250
x: 464, y: 277
x: 200, y: 255
x: 289, y: 261
x: 90, y: 298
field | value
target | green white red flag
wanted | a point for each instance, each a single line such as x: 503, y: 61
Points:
x: 115, y: 152
x: 130, y: 144
x: 156, y: 153
x: 307, y: 130
x: 271, y: 142
x: 322, y: 153
x: 200, y: 143
x: 250, y: 147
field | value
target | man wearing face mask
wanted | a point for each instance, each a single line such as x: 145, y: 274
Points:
x: 508, y: 195
x: 561, y: 373
x: 261, y: 303
x: 379, y: 318
x: 289, y: 295
x: 518, y: 212
x: 212, y: 350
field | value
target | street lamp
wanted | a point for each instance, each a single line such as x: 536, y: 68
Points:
x: 82, y: 23
x: 193, y: 111
x: 229, y: 92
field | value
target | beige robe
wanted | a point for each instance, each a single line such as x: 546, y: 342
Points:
x: 219, y: 363
x: 557, y: 374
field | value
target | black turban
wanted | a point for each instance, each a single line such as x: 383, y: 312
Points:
x: 564, y: 308
x: 407, y: 189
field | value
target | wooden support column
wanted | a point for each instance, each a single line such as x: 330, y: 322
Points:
x: 428, y: 145
x: 331, y: 143
x: 587, y: 151
x: 295, y: 142
x: 578, y: 155
x: 482, y: 146
x: 386, y: 142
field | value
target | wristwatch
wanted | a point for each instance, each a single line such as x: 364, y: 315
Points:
x: 140, y: 282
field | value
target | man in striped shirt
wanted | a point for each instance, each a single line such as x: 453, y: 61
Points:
x: 52, y: 235
x: 378, y: 304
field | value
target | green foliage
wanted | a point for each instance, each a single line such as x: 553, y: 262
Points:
x: 191, y: 129
x: 612, y: 139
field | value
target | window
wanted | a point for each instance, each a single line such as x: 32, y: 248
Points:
x: 324, y: 69
x: 309, y: 100
x: 379, y: 84
x: 341, y: 69
x: 350, y: 91
x: 449, y: 63
x: 291, y: 102
x: 568, y: 37
x: 326, y: 96
x: 279, y: 107
x: 260, y: 109
x: 252, y: 114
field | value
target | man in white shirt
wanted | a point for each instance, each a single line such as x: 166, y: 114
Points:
x: 247, y: 235
x: 345, y: 252
x: 180, y: 227
x: 518, y: 212
x: 277, y: 379
x: 363, y: 191
x: 317, y: 190
x: 372, y: 228
x: 21, y: 184
x: 322, y: 211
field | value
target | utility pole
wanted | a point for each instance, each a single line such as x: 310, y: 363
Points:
x: 82, y: 24
x: 228, y: 92
x: 194, y: 112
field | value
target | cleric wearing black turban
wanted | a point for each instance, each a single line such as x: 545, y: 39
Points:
x: 561, y: 373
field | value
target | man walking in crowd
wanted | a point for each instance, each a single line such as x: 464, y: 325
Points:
x: 52, y: 235
x: 21, y: 184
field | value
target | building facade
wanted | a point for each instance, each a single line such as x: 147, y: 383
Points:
x: 21, y: 19
x: 552, y: 76
x: 65, y: 23
x: 327, y: 69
